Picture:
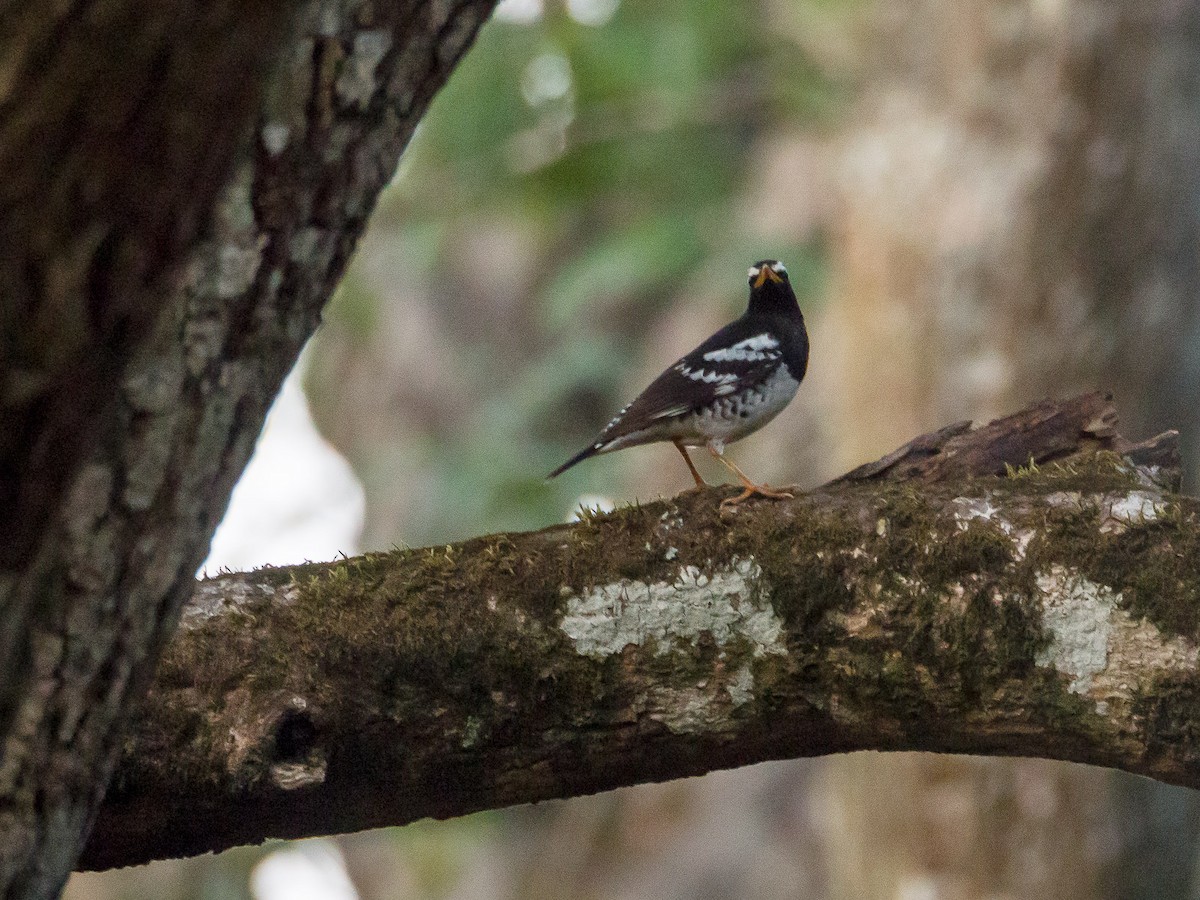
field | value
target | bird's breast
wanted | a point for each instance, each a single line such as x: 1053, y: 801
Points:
x: 733, y: 417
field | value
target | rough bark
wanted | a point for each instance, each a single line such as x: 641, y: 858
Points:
x: 1027, y: 588
x: 118, y: 121
x: 183, y: 185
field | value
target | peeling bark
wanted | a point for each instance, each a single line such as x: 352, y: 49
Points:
x: 183, y: 186
x: 1027, y: 588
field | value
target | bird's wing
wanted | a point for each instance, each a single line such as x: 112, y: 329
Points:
x: 718, y: 368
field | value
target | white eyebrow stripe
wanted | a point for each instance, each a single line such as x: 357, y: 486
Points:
x: 778, y: 267
x: 753, y: 273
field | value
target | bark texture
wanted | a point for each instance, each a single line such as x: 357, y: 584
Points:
x: 183, y: 186
x: 1027, y: 588
x: 118, y: 121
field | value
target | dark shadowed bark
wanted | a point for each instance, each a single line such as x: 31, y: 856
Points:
x: 944, y: 599
x: 183, y: 184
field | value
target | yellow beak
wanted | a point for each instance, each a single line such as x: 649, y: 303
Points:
x: 765, y: 273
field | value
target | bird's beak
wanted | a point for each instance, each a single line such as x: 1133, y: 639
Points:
x: 764, y: 274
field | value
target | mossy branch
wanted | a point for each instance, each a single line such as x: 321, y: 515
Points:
x: 1027, y: 588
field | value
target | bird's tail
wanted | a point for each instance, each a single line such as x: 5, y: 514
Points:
x: 585, y: 453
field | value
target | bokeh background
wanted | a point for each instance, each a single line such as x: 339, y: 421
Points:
x: 981, y: 203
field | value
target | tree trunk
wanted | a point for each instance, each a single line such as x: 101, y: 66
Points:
x: 183, y: 185
x: 929, y: 601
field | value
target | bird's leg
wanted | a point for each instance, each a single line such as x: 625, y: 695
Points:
x: 700, y: 482
x: 750, y: 488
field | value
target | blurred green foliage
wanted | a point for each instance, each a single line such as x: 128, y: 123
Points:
x: 611, y: 145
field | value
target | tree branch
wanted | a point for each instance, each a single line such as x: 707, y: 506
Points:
x: 1020, y: 589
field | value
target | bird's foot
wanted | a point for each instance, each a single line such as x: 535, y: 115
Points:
x: 763, y: 490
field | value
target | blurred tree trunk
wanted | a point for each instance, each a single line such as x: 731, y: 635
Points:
x: 1021, y: 191
x: 183, y: 184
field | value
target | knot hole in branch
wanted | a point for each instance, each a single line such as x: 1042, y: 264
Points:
x: 295, y: 736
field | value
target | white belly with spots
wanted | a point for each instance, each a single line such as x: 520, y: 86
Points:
x: 734, y: 417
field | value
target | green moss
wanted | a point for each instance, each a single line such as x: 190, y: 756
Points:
x: 803, y: 562
x: 919, y: 544
x: 958, y: 593
x: 953, y: 621
x: 1025, y: 471
x: 473, y: 629
x: 275, y: 576
x: 1098, y: 471
x: 954, y: 624
x: 455, y: 623
x: 1154, y: 566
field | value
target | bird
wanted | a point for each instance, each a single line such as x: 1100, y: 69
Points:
x: 730, y: 386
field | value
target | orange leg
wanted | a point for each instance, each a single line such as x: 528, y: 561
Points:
x: 700, y: 482
x: 750, y: 488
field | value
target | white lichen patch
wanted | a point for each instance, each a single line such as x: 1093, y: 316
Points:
x: 1107, y: 653
x: 668, y: 521
x: 312, y: 246
x: 356, y: 83
x: 741, y: 686
x: 154, y: 385
x: 290, y: 776
x: 684, y: 710
x: 968, y: 508
x: 1021, y: 538
x: 471, y: 732
x: 218, y: 596
x: 1117, y: 512
x: 1071, y: 500
x: 1078, y: 614
x: 275, y: 137
x: 1152, y: 477
x: 606, y: 619
x: 1135, y: 508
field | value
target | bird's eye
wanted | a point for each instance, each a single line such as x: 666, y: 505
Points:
x: 753, y: 273
x: 778, y: 267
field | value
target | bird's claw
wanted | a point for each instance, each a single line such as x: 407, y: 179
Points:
x: 763, y: 490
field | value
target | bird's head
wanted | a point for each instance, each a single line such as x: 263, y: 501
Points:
x: 770, y: 289
x: 767, y: 271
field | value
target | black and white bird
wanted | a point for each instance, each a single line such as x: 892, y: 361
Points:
x: 730, y: 386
